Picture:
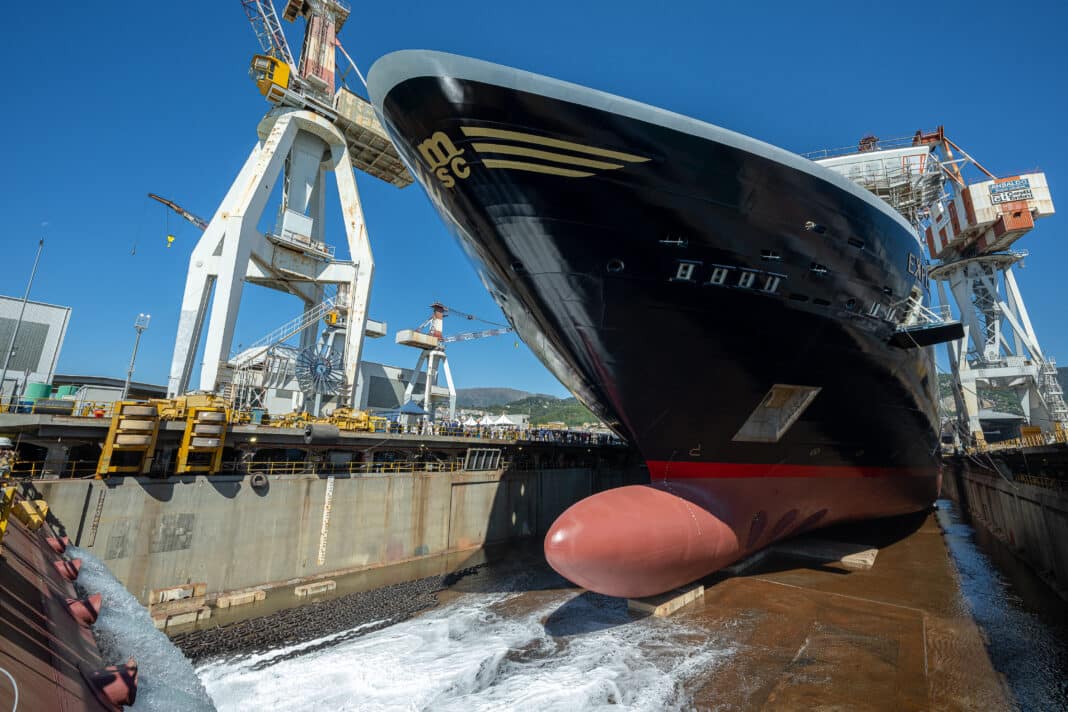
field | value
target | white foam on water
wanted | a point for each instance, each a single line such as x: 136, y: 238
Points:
x: 470, y: 655
x: 166, y: 680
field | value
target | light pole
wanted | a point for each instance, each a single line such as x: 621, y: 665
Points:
x: 140, y: 324
x: 18, y: 324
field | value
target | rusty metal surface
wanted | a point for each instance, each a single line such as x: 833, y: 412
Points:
x: 42, y: 646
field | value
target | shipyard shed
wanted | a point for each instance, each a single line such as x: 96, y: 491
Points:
x: 37, y: 344
x: 103, y: 389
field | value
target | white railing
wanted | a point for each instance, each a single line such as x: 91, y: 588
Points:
x: 291, y: 328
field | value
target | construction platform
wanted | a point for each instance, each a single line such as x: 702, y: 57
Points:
x: 61, y: 446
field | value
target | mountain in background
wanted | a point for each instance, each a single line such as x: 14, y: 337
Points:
x: 485, y: 397
x: 540, y: 407
x: 548, y: 409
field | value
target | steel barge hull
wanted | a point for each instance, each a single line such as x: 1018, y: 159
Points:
x: 728, y: 306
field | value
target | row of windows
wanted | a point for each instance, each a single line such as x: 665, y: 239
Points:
x: 745, y: 278
x: 727, y: 276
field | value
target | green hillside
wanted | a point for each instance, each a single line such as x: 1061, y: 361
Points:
x: 485, y: 397
x: 547, y: 409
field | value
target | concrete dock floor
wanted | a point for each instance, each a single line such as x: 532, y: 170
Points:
x: 811, y: 635
x: 786, y: 633
x: 897, y: 636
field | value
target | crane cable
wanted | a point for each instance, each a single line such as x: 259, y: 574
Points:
x: 472, y: 317
x: 337, y: 43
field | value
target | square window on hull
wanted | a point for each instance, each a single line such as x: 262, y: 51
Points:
x: 778, y: 410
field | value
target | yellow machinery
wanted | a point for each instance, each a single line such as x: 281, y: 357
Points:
x: 351, y: 419
x: 290, y: 420
x: 271, y: 75
x: 203, y: 440
x: 344, y: 418
x: 177, y: 408
x: 131, y: 439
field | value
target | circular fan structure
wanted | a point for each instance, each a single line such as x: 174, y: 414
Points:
x: 320, y: 372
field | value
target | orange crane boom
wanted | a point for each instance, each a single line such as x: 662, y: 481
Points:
x: 195, y: 219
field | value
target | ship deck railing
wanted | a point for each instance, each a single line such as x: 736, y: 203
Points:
x: 882, y: 144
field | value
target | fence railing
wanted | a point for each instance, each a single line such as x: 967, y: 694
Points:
x: 80, y: 409
x: 37, y: 468
x: 346, y: 468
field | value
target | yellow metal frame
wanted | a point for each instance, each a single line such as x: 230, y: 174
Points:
x: 187, y: 447
x: 104, y: 466
x: 7, y: 500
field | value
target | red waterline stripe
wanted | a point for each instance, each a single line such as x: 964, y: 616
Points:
x: 663, y: 469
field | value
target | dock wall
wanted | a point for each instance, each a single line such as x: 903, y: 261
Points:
x: 222, y: 531
x: 1031, y: 520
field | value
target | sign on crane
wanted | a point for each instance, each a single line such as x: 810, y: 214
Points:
x: 971, y: 232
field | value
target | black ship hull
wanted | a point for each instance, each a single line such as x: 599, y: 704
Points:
x: 727, y: 306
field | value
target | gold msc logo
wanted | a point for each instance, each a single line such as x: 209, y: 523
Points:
x: 444, y: 159
x: 500, y: 149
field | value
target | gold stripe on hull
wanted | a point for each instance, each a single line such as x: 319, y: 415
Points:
x: 483, y: 132
x: 544, y: 155
x: 534, y: 168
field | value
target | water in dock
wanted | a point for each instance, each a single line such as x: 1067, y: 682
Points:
x: 1025, y: 623
x: 933, y: 625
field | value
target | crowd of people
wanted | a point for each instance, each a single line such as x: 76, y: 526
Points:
x: 457, y: 429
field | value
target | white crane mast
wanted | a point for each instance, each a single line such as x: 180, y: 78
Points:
x: 310, y: 131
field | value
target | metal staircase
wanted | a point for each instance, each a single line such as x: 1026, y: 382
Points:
x: 268, y: 361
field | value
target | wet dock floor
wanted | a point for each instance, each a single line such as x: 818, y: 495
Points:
x: 785, y: 634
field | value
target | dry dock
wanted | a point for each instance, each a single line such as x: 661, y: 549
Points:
x: 787, y: 633
x: 896, y: 636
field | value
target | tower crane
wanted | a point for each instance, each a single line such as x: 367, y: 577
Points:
x: 312, y: 128
x: 972, y: 233
x: 429, y: 338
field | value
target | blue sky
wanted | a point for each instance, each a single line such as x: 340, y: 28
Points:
x: 102, y: 107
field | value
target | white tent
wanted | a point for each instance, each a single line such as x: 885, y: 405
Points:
x: 514, y: 420
x: 470, y: 422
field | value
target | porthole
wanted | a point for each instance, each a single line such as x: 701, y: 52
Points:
x: 614, y: 265
x: 799, y: 297
x: 817, y: 269
x: 815, y: 227
x: 821, y: 302
x: 770, y: 256
x: 518, y: 267
x: 859, y: 244
x: 851, y: 304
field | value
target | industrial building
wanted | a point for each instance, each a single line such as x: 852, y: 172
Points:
x: 36, y: 345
